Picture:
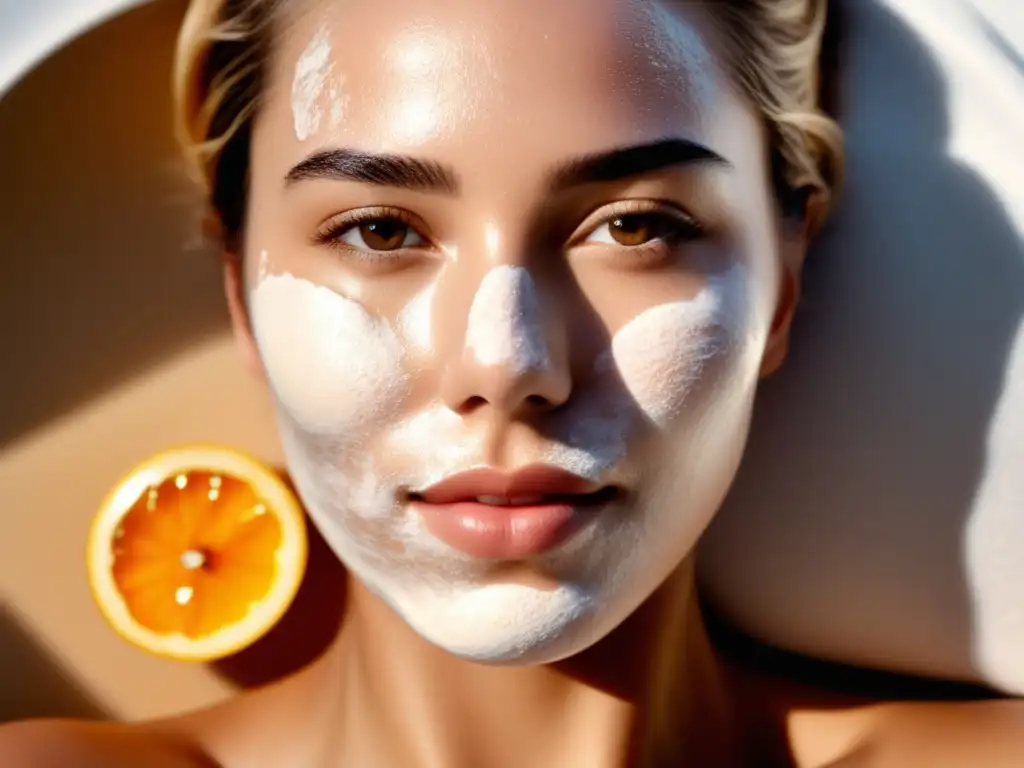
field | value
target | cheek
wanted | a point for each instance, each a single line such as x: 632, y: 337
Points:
x: 666, y: 351
x: 333, y: 368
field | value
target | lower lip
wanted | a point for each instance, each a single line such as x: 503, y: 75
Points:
x: 502, y: 533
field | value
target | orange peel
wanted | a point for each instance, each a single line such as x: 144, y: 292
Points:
x: 197, y: 553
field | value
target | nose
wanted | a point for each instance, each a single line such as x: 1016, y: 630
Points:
x: 513, y: 358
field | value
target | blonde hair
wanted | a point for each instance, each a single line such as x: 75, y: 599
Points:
x: 776, y: 49
x: 779, y: 53
x: 775, y: 46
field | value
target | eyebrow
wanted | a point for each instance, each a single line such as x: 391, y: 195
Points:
x: 626, y: 162
x: 406, y: 172
x: 379, y: 169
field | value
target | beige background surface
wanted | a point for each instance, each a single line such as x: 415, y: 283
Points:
x: 115, y: 346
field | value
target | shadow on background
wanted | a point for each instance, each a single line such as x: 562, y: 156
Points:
x: 102, y: 273
x: 999, y: 40
x: 844, y: 536
x: 304, y: 632
x: 104, y: 277
x: 33, y: 683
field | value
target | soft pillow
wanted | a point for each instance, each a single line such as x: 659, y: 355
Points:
x: 879, y: 516
x: 31, y: 31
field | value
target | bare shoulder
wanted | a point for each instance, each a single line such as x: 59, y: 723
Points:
x: 949, y: 735
x: 939, y: 735
x: 61, y: 743
x: 832, y: 716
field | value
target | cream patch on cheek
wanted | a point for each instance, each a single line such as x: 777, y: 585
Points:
x: 333, y: 367
x: 653, y: 364
x: 505, y: 324
x: 663, y: 351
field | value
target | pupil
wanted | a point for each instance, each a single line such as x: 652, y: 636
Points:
x: 384, y: 235
x: 631, y: 230
x: 629, y: 223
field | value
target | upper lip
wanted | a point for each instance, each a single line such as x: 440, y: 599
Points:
x: 530, y: 484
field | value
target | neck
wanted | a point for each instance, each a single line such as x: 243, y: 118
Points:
x: 646, y: 695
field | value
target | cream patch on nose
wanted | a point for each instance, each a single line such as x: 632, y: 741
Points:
x: 505, y: 326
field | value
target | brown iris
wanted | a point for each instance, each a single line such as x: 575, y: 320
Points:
x: 637, y: 229
x: 384, y: 234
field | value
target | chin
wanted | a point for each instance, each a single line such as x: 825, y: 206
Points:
x: 503, y: 624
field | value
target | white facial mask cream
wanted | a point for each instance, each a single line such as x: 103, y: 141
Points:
x: 661, y: 353
x: 340, y: 379
x: 647, y: 373
x: 505, y: 325
x: 311, y: 74
x: 333, y: 367
x: 337, y: 99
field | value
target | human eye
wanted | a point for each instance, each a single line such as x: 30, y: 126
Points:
x: 373, y: 234
x: 640, y: 224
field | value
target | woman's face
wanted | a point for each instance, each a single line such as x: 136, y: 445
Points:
x: 512, y: 268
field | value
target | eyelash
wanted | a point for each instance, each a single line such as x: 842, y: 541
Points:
x: 684, y: 228
x: 333, y: 230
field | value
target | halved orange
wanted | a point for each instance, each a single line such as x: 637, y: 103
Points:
x: 197, y: 553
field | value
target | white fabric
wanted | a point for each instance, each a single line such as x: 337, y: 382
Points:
x: 879, y: 515
x: 32, y: 29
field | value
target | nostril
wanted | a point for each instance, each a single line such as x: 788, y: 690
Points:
x: 538, y: 401
x: 472, y: 403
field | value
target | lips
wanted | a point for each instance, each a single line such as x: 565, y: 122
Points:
x: 491, y: 514
x: 528, y: 485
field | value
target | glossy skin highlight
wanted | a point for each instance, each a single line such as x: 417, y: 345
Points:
x: 614, y: 327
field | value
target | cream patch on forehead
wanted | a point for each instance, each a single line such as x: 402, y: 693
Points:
x: 337, y: 99
x: 505, y: 326
x: 312, y: 71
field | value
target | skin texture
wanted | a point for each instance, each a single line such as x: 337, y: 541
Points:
x: 511, y: 329
x: 547, y: 341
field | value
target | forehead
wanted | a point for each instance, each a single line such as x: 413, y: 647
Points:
x: 529, y: 76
